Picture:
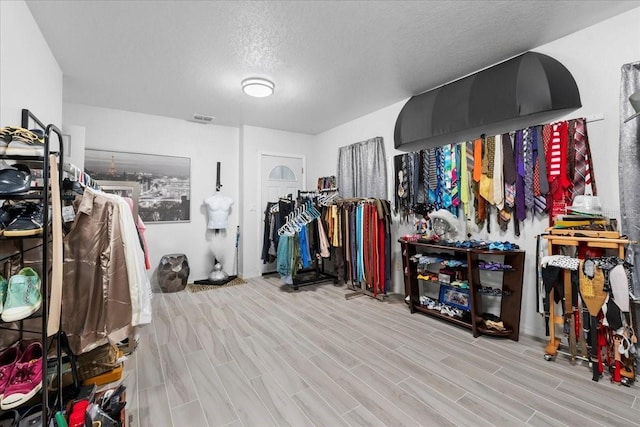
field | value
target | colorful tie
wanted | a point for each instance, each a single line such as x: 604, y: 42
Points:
x: 446, y: 175
x: 440, y: 175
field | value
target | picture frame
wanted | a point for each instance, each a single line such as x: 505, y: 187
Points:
x: 164, y: 181
x: 455, y: 297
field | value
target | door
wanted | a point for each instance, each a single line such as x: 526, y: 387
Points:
x: 281, y: 175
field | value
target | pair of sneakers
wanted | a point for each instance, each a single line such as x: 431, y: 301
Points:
x: 21, y: 219
x: 20, y: 374
x: 15, y: 141
x: 20, y: 296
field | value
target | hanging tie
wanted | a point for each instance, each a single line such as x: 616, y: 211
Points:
x: 477, y: 159
x: 468, y: 146
x: 425, y: 175
x: 433, y: 174
x: 440, y: 175
x: 464, y: 177
x: 498, y: 182
x: 521, y: 210
x: 486, y: 180
x: 581, y: 162
x: 540, y: 199
x: 455, y: 170
x: 528, y: 165
x: 446, y: 173
x: 590, y: 179
x: 509, y: 177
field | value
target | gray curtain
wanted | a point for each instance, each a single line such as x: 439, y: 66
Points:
x: 629, y: 168
x: 362, y: 169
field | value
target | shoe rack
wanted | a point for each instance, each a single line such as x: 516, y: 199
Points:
x: 503, y: 301
x: 18, y: 250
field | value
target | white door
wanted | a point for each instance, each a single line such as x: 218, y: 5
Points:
x: 281, y: 176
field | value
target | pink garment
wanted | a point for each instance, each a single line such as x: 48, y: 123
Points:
x: 141, y: 229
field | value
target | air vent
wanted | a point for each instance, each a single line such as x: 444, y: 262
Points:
x: 201, y: 118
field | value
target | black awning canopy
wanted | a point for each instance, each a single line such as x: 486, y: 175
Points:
x: 527, y: 90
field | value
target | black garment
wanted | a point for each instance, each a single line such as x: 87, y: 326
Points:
x: 551, y: 278
x: 266, y: 238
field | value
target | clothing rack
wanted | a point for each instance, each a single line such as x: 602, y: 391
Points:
x: 317, y: 270
x: 381, y: 281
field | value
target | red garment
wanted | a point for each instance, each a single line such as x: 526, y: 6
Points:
x: 381, y: 246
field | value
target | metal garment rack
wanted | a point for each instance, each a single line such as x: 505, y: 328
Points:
x: 318, y: 273
x: 30, y: 121
x: 363, y: 291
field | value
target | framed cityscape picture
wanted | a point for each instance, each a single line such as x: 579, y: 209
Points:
x: 165, y: 181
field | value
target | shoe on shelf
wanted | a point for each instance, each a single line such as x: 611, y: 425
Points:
x: 27, y: 220
x: 4, y: 285
x: 26, y: 379
x: 8, y: 359
x: 23, y: 142
x: 23, y: 295
x: 15, y: 180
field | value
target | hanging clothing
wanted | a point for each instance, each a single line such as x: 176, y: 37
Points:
x: 97, y: 300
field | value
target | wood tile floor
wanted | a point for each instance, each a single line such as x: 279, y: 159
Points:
x: 260, y: 354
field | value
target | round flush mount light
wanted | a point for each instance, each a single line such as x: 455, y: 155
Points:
x: 257, y: 87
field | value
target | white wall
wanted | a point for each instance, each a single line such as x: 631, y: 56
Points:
x: 29, y: 74
x: 594, y: 57
x: 205, y: 144
x: 254, y: 141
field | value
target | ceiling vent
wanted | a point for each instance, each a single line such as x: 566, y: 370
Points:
x: 527, y: 90
x: 201, y: 118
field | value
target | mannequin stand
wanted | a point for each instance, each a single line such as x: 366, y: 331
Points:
x: 215, y: 283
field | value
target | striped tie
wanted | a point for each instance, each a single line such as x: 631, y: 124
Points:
x: 469, y: 150
x: 591, y: 177
x: 540, y: 200
x: 425, y: 175
x: 582, y: 176
x: 528, y: 165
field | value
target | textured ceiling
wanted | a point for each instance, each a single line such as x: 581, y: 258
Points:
x: 331, y: 61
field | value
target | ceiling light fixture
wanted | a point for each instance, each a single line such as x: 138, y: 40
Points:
x: 257, y: 87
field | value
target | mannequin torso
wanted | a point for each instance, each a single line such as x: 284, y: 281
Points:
x: 218, y: 208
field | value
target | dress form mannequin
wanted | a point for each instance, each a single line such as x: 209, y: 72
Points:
x: 218, y: 209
